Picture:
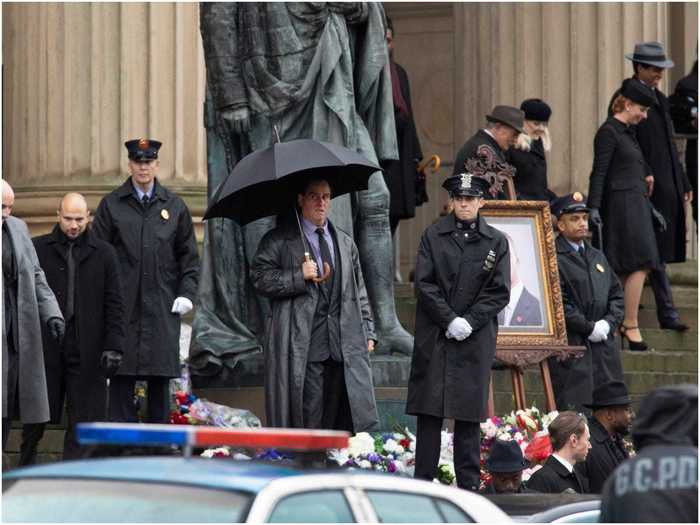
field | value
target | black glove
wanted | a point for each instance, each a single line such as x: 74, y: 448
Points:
x: 594, y: 217
x: 57, y: 329
x: 110, y: 362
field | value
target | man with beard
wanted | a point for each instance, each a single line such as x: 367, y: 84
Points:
x: 570, y: 441
x: 611, y: 420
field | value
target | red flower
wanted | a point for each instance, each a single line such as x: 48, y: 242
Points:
x: 405, y: 443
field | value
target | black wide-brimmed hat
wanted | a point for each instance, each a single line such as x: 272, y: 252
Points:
x: 610, y: 394
x: 506, y: 456
x: 142, y: 149
x: 509, y: 116
x: 536, y: 109
x: 651, y: 53
x: 637, y: 92
x: 572, y: 203
x: 466, y: 184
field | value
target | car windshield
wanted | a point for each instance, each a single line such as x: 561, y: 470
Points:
x: 61, y: 500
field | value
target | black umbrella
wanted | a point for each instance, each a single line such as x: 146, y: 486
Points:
x: 267, y: 181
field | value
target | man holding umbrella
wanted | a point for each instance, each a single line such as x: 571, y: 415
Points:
x: 321, y: 331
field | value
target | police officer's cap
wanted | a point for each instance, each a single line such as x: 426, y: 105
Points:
x: 572, y: 203
x: 466, y: 184
x: 142, y: 150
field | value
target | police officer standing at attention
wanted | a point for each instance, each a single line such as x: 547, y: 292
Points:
x: 462, y: 281
x: 151, y: 229
x: 593, y: 307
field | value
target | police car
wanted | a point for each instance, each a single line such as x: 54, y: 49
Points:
x: 193, y: 489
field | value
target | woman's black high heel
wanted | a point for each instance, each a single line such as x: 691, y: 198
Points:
x: 634, y: 346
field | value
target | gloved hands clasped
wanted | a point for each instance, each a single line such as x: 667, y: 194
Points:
x: 181, y: 306
x: 600, y: 332
x: 110, y: 362
x: 594, y: 217
x: 57, y: 329
x: 459, y: 329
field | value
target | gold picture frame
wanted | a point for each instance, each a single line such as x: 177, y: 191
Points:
x: 535, y: 316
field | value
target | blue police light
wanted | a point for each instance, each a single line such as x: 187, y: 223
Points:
x: 133, y: 434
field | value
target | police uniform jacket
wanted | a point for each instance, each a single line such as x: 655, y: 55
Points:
x: 590, y: 291
x: 617, y: 187
x: 158, y: 260
x: 554, y: 478
x: 655, y: 137
x: 606, y: 453
x: 98, y: 314
x: 458, y: 274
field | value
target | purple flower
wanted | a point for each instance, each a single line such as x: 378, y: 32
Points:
x: 374, y: 458
x: 391, y: 467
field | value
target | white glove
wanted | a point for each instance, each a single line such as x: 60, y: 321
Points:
x: 181, y: 306
x: 458, y: 329
x: 600, y: 332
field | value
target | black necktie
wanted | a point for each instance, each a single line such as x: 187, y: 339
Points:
x: 325, y: 251
x: 581, y: 251
x: 144, y: 200
x: 70, y: 289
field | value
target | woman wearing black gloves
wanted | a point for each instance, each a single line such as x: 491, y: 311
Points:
x: 618, y: 194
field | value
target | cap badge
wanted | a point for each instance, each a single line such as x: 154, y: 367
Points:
x: 144, y: 144
x: 577, y: 196
x: 600, y: 268
x: 466, y: 181
x: 164, y: 213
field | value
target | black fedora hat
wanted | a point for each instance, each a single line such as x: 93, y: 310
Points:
x: 506, y: 456
x: 610, y: 394
x: 651, y: 53
x: 509, y: 116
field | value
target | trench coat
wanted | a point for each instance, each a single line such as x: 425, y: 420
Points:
x: 530, y: 172
x: 617, y: 188
x: 454, y: 278
x: 276, y: 273
x: 158, y: 262
x: 98, y: 315
x: 606, y: 453
x: 400, y: 175
x: 655, y: 137
x: 589, y: 295
x: 36, y: 304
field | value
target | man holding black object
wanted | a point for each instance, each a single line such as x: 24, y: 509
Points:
x: 462, y: 281
x: 83, y: 272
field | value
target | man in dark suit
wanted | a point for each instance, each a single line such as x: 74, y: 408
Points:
x: 524, y: 309
x: 611, y: 420
x: 505, y: 465
x: 485, y: 150
x: 83, y: 272
x: 570, y: 441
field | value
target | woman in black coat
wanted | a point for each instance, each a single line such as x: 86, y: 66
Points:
x: 528, y: 154
x: 619, y: 190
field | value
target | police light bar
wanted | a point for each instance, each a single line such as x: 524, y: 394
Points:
x: 141, y: 434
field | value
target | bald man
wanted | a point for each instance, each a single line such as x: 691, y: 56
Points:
x: 28, y: 305
x: 83, y: 272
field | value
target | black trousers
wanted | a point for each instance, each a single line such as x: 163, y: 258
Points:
x: 121, y: 399
x: 467, y: 443
x: 326, y: 403
x: 661, y: 285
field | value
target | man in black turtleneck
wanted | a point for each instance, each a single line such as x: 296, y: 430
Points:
x: 462, y: 282
x: 83, y: 272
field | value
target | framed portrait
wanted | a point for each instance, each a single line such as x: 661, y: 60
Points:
x: 535, y: 314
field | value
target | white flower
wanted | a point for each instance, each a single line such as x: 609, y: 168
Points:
x: 398, y: 437
x: 398, y: 450
x: 390, y: 446
x: 360, y: 444
x: 518, y: 437
x: 211, y: 452
x: 364, y: 464
x: 489, y: 428
x: 505, y: 436
x: 339, y: 455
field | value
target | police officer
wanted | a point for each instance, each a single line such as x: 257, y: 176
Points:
x: 660, y: 483
x: 151, y: 229
x: 462, y: 281
x: 593, y: 308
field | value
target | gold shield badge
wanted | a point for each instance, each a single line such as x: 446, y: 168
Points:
x: 164, y: 214
x: 600, y: 268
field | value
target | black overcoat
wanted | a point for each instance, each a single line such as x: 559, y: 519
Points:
x: 606, y: 453
x: 400, y: 175
x: 98, y: 315
x: 655, y: 137
x: 554, y: 478
x: 158, y: 259
x: 456, y: 278
x: 483, y: 147
x: 617, y: 187
x: 590, y: 291
x: 530, y: 172
x: 277, y: 274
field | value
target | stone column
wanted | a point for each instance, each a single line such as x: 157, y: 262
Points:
x: 79, y: 80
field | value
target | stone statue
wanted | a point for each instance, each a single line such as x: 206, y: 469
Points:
x: 296, y: 70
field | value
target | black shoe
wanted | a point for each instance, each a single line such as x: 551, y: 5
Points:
x: 634, y: 346
x: 674, y: 324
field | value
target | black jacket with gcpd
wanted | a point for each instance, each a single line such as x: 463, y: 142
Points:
x: 453, y: 279
x: 158, y: 260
